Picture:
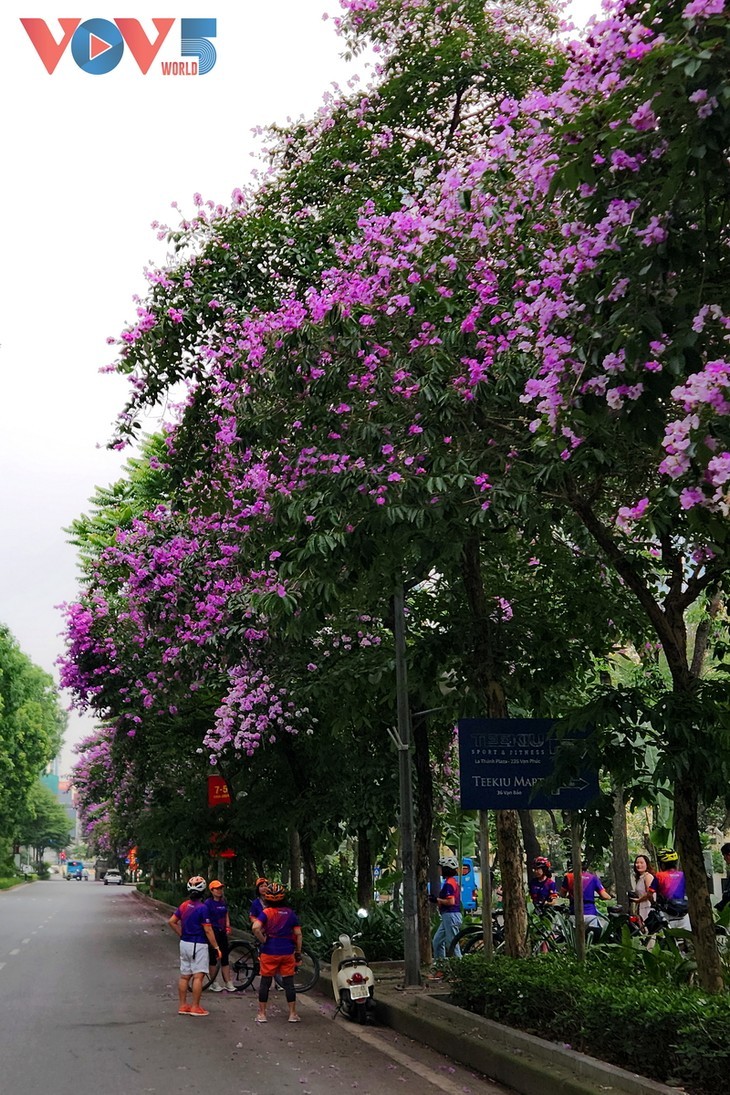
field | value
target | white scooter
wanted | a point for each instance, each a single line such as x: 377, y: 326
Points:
x: 353, y: 983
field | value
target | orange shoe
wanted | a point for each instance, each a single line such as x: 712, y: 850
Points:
x: 197, y: 1011
x: 184, y: 1010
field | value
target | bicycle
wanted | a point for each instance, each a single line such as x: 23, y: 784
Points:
x: 471, y: 938
x: 244, y: 961
x: 244, y: 964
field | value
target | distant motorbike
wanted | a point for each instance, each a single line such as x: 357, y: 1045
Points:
x: 353, y: 983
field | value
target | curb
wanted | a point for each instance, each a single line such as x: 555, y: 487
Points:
x: 530, y: 1065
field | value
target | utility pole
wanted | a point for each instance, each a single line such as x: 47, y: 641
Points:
x: 402, y: 740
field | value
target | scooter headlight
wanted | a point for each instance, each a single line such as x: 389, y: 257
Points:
x: 344, y: 940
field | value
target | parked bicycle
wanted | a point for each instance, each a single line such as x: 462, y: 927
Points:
x: 244, y: 961
x: 471, y: 938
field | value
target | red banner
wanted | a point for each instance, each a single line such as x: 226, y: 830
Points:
x: 216, y: 851
x: 218, y: 793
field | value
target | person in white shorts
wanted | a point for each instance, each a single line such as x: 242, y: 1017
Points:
x: 191, y: 922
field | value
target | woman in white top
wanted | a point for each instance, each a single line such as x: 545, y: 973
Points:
x: 644, y: 877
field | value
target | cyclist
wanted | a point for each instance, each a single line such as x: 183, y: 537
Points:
x: 257, y: 906
x: 279, y: 932
x: 592, y: 888
x: 221, y: 923
x: 191, y: 923
x: 449, y: 906
x: 670, y: 888
x: 543, y: 888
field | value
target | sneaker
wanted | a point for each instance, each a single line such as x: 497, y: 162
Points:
x: 438, y: 975
x: 230, y: 987
x: 184, y: 1010
x: 198, y: 1011
x: 215, y: 987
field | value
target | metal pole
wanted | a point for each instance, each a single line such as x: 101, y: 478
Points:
x: 484, y: 856
x: 411, y: 946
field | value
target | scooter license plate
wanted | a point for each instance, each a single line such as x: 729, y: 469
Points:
x: 359, y: 992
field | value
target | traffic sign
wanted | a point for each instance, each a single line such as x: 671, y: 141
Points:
x: 503, y: 763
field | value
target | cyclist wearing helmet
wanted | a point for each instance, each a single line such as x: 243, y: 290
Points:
x: 543, y: 889
x: 191, y: 923
x: 280, y: 935
x: 449, y: 906
x: 670, y: 888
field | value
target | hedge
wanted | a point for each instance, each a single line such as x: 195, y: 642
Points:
x: 678, y: 1035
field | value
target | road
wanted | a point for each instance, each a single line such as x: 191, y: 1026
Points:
x: 88, y: 979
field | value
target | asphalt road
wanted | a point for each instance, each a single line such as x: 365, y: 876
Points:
x: 88, y: 1001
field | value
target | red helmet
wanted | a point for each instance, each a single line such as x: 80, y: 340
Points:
x: 541, y: 861
x: 273, y: 892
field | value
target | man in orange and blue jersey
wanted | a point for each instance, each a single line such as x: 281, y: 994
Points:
x: 279, y: 932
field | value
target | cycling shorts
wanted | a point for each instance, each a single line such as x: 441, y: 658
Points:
x: 271, y: 964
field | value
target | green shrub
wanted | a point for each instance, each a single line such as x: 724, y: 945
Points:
x: 673, y: 1034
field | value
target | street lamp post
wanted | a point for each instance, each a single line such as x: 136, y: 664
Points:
x: 402, y: 741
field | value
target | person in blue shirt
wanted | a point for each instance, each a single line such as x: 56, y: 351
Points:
x: 191, y: 923
x: 257, y: 905
x: 221, y: 923
x: 449, y: 906
x: 543, y: 888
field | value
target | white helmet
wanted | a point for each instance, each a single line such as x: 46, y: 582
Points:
x: 196, y: 884
x: 449, y: 861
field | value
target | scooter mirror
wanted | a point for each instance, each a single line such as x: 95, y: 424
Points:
x: 363, y: 914
x: 316, y: 933
x: 344, y: 940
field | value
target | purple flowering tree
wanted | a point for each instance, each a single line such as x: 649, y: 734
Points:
x: 525, y: 344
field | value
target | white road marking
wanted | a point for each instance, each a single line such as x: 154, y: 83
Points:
x: 2, y: 965
x: 23, y: 941
x: 16, y: 951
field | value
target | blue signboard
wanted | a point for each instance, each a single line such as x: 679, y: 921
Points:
x: 504, y: 761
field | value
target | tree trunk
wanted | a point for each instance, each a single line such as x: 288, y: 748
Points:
x: 622, y: 879
x: 295, y: 859
x: 529, y: 836
x: 709, y: 969
x: 513, y: 889
x: 423, y: 832
x: 308, y: 863
x: 364, y: 870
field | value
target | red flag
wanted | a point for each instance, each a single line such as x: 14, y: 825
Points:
x: 218, y: 793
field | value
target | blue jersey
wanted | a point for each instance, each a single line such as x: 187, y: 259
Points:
x: 218, y: 912
x: 450, y: 888
x: 278, y: 925
x: 192, y: 916
x: 543, y: 890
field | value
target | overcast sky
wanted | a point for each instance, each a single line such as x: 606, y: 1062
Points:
x: 89, y: 162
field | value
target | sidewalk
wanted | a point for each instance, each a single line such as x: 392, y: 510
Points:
x: 529, y: 1065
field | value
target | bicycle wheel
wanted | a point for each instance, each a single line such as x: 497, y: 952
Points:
x: 244, y: 964
x: 307, y: 972
x: 475, y: 943
x: 460, y: 940
x: 208, y: 980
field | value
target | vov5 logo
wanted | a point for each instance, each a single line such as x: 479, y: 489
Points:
x: 97, y: 45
